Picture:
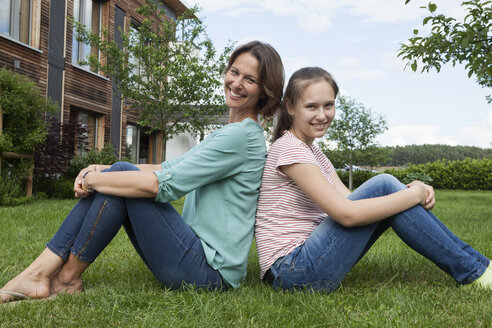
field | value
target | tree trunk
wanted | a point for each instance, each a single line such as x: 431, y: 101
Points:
x: 164, y: 146
x: 1, y: 127
x: 351, y: 174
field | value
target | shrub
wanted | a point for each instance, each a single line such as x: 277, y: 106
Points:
x: 468, y: 174
x: 103, y: 156
x: 23, y: 108
x: 54, y: 187
x: 425, y: 178
x: 359, y: 177
x: 12, y: 182
x: 52, y: 158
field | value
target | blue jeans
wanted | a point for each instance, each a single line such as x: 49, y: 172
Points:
x: 167, y: 245
x: 332, y: 249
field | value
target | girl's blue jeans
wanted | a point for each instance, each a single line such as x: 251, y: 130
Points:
x: 332, y: 250
x: 167, y: 245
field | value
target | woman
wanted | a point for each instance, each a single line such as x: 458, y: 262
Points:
x: 311, y: 230
x: 208, y: 246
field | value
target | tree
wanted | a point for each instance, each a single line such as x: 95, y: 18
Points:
x: 167, y: 70
x: 468, y: 41
x: 354, y: 131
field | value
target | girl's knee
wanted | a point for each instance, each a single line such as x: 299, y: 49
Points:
x: 390, y: 182
x: 122, y: 166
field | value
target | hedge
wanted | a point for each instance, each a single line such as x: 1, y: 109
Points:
x: 468, y: 174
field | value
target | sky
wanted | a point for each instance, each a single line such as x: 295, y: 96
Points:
x: 358, y: 41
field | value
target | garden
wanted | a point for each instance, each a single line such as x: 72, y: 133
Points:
x: 392, y: 286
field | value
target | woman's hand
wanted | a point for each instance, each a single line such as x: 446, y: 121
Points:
x: 78, y: 186
x: 430, y: 197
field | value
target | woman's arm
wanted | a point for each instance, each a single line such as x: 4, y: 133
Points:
x: 135, y: 184
x: 347, y: 212
x: 138, y: 190
x: 149, y: 167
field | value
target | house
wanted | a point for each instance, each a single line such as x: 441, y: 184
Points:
x: 37, y: 40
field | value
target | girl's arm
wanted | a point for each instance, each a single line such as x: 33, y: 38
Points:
x: 347, y: 212
x: 339, y: 185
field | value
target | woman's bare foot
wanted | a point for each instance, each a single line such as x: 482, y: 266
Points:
x: 33, y: 282
x: 68, y: 278
x: 61, y: 284
x: 32, y: 286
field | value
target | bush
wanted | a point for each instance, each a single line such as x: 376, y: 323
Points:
x: 359, y: 177
x: 54, y: 187
x: 468, y: 174
x: 104, y: 156
x: 12, y: 182
x: 23, y: 108
x: 425, y: 178
x: 52, y: 158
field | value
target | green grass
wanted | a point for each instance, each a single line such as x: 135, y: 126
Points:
x: 391, y: 286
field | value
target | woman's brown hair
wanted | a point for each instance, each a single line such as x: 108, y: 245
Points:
x: 270, y: 74
x: 298, y: 82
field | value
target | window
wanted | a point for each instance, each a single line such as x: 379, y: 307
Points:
x: 17, y: 20
x: 138, y: 68
x: 89, y: 14
x: 142, y: 147
x: 93, y: 137
x: 132, y: 140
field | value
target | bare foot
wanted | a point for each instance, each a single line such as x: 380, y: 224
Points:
x: 61, y: 283
x: 32, y: 286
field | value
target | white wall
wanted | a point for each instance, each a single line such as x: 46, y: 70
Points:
x: 179, y: 145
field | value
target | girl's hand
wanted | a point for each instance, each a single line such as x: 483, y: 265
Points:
x: 430, y: 196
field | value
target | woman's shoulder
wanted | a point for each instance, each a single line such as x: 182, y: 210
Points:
x: 243, y: 128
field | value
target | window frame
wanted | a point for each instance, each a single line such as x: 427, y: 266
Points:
x: 15, y: 22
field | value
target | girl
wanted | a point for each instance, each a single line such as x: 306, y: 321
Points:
x: 311, y: 230
x: 209, y: 245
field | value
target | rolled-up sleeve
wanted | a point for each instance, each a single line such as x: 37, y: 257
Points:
x: 219, y: 156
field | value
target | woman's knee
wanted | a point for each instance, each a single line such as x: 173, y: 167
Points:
x: 122, y: 166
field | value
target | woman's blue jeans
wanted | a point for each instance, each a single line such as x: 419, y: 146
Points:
x: 332, y: 250
x: 167, y: 245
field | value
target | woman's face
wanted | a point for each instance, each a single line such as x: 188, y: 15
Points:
x: 241, y: 84
x: 313, y: 112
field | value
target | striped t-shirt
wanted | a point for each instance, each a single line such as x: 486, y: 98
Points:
x: 286, y: 216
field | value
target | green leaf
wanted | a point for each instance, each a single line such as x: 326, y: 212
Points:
x: 415, y: 31
x: 414, y: 66
x: 407, y: 1
x: 432, y: 7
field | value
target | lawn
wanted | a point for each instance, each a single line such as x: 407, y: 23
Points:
x: 390, y: 287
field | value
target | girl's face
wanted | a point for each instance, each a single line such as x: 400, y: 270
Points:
x: 241, y: 84
x: 313, y: 112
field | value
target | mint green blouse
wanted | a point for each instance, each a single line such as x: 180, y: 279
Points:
x: 221, y: 179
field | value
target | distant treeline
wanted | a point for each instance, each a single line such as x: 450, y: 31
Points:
x: 421, y: 154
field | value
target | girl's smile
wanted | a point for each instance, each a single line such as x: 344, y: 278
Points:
x: 314, y: 111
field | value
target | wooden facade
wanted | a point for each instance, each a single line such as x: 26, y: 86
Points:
x: 47, y: 59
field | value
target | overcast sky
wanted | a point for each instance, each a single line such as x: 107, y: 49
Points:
x: 357, y: 41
